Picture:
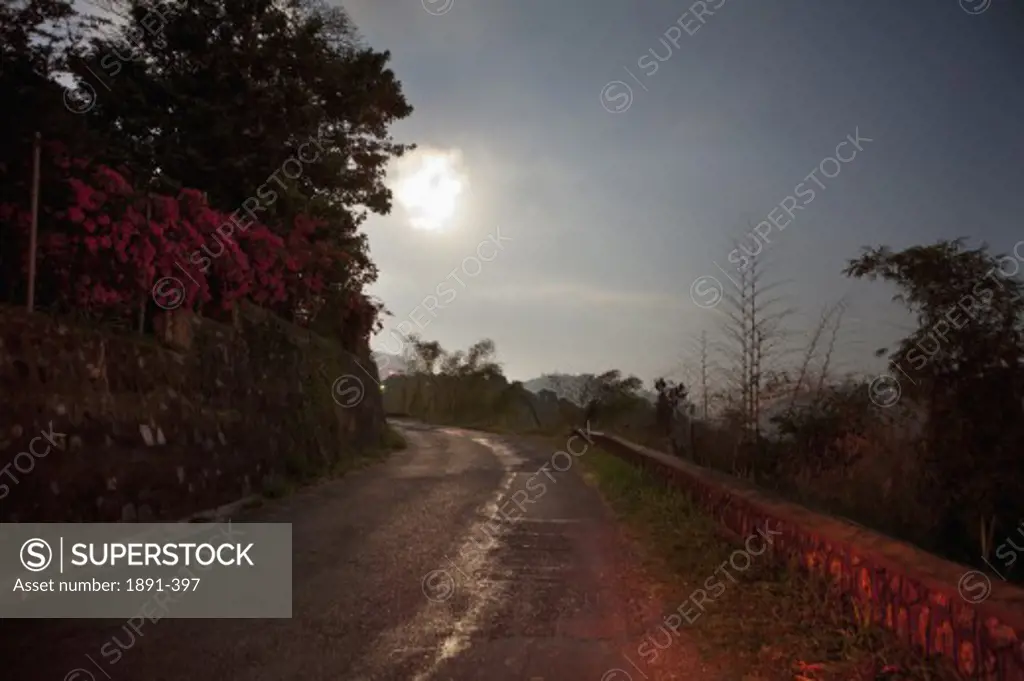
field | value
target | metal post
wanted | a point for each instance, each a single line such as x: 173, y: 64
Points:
x: 34, y: 231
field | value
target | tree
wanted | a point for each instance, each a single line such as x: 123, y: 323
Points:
x: 218, y: 93
x: 670, y: 396
x: 422, y: 356
x: 449, y: 385
x: 964, y: 362
x: 704, y: 373
x: 754, y: 335
x: 272, y: 108
x: 602, y: 394
x: 814, y: 438
x: 479, y: 361
x: 590, y: 390
x: 37, y: 39
x: 831, y: 320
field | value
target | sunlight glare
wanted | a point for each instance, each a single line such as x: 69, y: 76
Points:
x: 428, y: 186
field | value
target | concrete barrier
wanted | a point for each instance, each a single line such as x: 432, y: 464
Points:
x: 931, y: 604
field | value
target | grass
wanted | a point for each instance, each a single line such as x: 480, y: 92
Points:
x: 276, y: 486
x: 392, y: 440
x: 773, y: 624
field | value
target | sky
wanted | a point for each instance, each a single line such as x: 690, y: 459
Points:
x: 611, y: 154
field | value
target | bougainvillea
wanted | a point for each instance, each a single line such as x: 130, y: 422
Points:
x: 105, y: 246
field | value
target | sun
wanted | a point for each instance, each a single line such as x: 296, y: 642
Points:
x: 428, y: 185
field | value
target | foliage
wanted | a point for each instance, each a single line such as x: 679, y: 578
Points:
x: 969, y: 313
x: 38, y: 39
x: 816, y: 438
x: 100, y: 252
x: 33, y: 44
x: 221, y: 95
x: 670, y: 397
x: 425, y: 355
x: 266, y: 113
x: 963, y: 361
x: 940, y: 467
x: 468, y: 388
x: 598, y: 394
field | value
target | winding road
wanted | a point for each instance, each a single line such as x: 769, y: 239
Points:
x: 465, y: 556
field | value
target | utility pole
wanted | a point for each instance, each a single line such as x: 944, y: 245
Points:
x: 34, y: 230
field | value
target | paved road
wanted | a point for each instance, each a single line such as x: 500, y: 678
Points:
x: 406, y: 571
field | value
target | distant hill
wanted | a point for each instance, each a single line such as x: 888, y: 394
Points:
x: 649, y: 395
x: 570, y: 385
x: 535, y: 385
x: 389, y: 364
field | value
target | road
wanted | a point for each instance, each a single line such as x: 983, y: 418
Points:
x: 407, y: 571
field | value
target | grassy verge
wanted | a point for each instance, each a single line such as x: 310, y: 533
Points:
x: 392, y: 440
x: 772, y: 624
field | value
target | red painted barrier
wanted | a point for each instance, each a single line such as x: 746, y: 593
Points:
x: 931, y: 604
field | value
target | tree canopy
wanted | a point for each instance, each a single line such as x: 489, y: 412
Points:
x: 270, y: 115
x: 428, y: 357
x: 963, y: 362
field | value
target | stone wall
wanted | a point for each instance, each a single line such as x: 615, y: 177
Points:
x: 930, y: 604
x: 97, y: 426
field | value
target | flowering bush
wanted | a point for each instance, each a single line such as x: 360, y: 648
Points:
x: 98, y: 251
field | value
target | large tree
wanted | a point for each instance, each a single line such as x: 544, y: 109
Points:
x: 273, y: 109
x: 220, y: 93
x: 963, y: 362
x: 37, y: 39
x: 596, y: 392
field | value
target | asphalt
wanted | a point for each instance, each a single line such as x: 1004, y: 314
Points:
x: 465, y: 556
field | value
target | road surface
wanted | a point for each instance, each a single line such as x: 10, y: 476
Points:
x: 408, y: 571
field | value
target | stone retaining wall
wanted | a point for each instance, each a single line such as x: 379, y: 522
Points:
x: 930, y: 604
x: 97, y: 426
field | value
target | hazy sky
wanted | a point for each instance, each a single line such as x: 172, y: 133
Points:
x: 608, y: 217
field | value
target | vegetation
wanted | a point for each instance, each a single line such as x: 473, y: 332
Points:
x: 241, y: 146
x: 772, y: 624
x: 963, y: 363
x: 933, y: 466
x: 930, y: 457
x: 197, y: 156
x: 469, y: 388
x: 929, y: 453
x: 462, y: 388
x: 233, y: 146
